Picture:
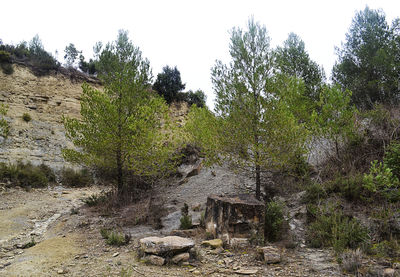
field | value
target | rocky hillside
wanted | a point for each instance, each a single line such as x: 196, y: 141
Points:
x: 45, y: 100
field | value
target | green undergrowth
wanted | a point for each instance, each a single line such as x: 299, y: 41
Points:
x: 26, y: 175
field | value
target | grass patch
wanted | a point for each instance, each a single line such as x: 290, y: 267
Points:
x: 29, y: 244
x: 95, y: 199
x: 115, y: 238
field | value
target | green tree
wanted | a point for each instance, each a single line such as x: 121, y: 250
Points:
x: 121, y: 126
x: 254, y: 125
x: 198, y: 97
x: 71, y: 54
x: 293, y: 59
x: 335, y: 119
x: 40, y: 58
x: 169, y: 83
x: 368, y: 63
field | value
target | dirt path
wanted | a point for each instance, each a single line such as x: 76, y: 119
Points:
x: 68, y: 241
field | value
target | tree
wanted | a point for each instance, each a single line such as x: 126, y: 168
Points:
x: 254, y: 125
x: 168, y: 83
x: 367, y: 63
x: 198, y: 97
x: 87, y: 67
x: 335, y: 119
x: 120, y: 126
x: 293, y: 59
x: 71, y: 54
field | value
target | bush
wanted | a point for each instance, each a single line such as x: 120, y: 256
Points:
x: 5, y: 62
x: 26, y: 117
x: 114, y: 238
x: 186, y: 219
x: 273, y: 221
x: 392, y: 158
x: 76, y: 178
x: 380, y: 182
x: 332, y: 228
x: 95, y: 199
x: 314, y: 193
x: 24, y: 175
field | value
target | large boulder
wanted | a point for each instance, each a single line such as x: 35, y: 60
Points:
x: 165, y: 246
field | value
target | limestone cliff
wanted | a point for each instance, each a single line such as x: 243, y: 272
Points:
x: 45, y: 99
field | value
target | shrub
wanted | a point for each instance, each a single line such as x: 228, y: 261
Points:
x: 392, y: 158
x: 273, y: 221
x: 332, y: 228
x: 95, y: 199
x: 380, y: 182
x: 314, y: 193
x: 26, y: 117
x: 387, y: 248
x: 24, y: 175
x: 186, y: 219
x: 76, y: 178
x: 114, y: 238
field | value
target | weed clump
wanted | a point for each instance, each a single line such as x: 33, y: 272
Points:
x: 115, y: 238
x: 95, y: 200
x: 186, y: 219
x: 26, y: 117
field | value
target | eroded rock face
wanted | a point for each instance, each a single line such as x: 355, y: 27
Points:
x: 233, y: 216
x: 167, y: 246
x: 46, y: 99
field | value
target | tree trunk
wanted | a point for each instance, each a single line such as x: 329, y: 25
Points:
x: 120, y: 180
x: 258, y: 182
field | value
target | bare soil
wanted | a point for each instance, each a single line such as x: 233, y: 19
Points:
x: 68, y: 240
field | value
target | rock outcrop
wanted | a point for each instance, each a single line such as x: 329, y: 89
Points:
x: 46, y: 99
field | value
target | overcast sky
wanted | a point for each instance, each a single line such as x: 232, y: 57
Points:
x: 188, y: 34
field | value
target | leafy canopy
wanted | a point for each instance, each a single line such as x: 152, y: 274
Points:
x: 368, y: 62
x: 292, y: 59
x: 255, y: 124
x: 169, y: 83
x: 121, y: 126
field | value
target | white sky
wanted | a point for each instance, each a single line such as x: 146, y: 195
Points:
x: 188, y: 34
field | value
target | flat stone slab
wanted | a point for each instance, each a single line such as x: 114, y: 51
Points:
x: 165, y: 245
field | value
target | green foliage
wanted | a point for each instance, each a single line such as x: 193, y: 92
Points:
x: 76, y: 178
x: 293, y: 59
x: 198, y: 98
x: 314, y: 193
x: 186, y: 219
x: 24, y: 175
x: 381, y: 182
x: 169, y: 83
x: 247, y: 99
x: 71, y: 54
x: 114, y: 238
x: 95, y: 200
x: 26, y: 117
x: 4, y: 126
x: 368, y: 63
x: 392, y: 158
x: 387, y: 249
x: 332, y: 228
x: 43, y: 61
x: 123, y: 127
x: 335, y: 118
x: 273, y: 221
x: 87, y: 67
x: 5, y: 62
